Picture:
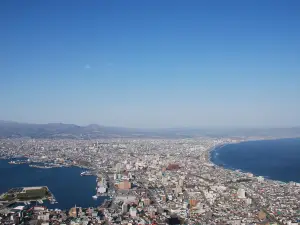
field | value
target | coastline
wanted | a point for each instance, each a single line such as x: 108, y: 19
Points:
x: 212, y: 153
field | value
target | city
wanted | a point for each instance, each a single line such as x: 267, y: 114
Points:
x: 157, y: 181
x: 140, y: 112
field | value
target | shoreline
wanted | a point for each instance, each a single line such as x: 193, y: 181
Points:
x: 42, y: 164
x: 215, y: 148
x: 210, y: 152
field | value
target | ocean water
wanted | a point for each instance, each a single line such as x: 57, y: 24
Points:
x: 68, y: 187
x: 274, y: 159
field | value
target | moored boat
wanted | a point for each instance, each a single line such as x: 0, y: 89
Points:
x: 95, y: 197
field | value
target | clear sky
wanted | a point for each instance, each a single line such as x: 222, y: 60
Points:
x: 158, y: 63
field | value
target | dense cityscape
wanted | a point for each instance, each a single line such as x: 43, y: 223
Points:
x: 154, y: 181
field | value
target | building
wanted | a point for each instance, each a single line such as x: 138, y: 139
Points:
x: 164, y: 180
x: 163, y: 198
x: 249, y: 201
x: 152, y: 211
x: 128, y: 166
x: 125, y: 176
x: 132, y: 212
x: 173, y: 166
x: 260, y: 179
x: 193, y: 202
x: 124, y: 185
x: 180, y: 182
x: 141, y: 204
x: 262, y: 215
x: 101, y: 189
x: 250, y: 174
x: 118, y: 167
x: 241, y: 193
x: 147, y: 201
x: 124, y: 207
x: 128, y: 199
x: 178, y: 189
x: 73, y: 212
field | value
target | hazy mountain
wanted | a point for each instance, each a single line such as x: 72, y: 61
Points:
x: 10, y: 129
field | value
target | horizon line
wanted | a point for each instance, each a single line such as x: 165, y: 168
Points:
x: 160, y: 128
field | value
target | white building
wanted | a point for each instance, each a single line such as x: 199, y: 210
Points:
x: 248, y: 201
x: 164, y: 180
x: 241, y: 193
x: 260, y: 179
x: 132, y: 212
x: 128, y: 166
x: 101, y: 189
x: 180, y: 182
x: 124, y: 207
x: 118, y: 167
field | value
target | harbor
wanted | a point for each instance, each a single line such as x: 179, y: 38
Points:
x: 65, y: 183
x: 17, y: 162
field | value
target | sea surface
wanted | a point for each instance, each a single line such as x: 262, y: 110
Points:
x: 66, y: 184
x: 274, y: 159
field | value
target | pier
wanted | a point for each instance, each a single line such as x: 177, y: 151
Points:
x: 25, y: 195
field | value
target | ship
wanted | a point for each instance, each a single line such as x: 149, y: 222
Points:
x: 86, y: 173
x: 53, y: 201
x: 95, y: 197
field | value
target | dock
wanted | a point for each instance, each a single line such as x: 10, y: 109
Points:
x: 26, y: 195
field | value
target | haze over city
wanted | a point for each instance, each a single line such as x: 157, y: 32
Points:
x: 151, y: 63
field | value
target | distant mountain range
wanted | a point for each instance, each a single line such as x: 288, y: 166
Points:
x: 10, y: 129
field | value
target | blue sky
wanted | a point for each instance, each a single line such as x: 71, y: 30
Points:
x: 151, y: 63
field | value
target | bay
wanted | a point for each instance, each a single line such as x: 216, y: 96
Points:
x: 68, y: 187
x: 274, y: 159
